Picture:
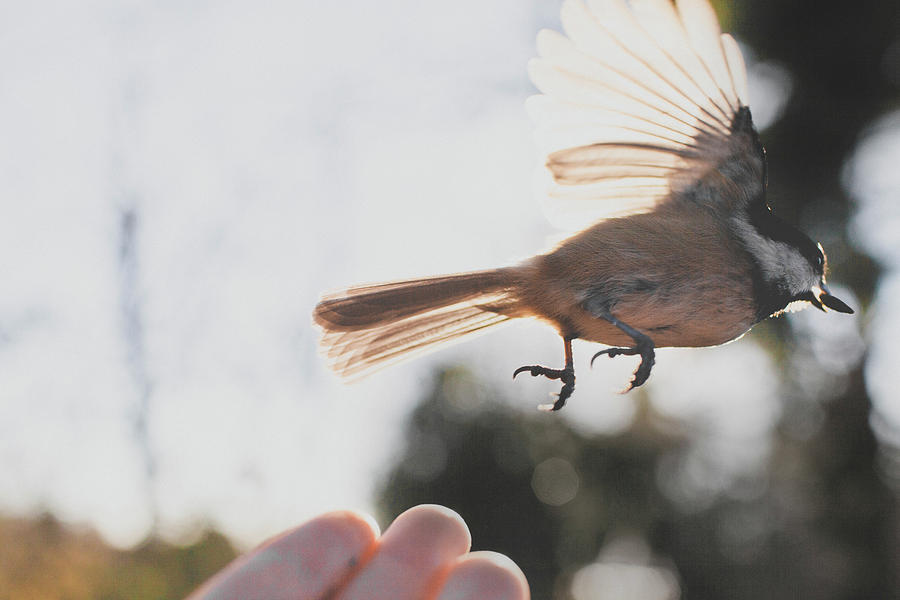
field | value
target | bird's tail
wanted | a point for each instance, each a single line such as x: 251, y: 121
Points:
x: 367, y: 327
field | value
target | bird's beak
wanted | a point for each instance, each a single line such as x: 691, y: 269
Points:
x: 822, y: 296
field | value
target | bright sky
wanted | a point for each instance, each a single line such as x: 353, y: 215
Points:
x: 267, y: 152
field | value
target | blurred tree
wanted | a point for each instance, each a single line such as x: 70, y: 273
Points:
x: 820, y: 525
x: 839, y: 534
x: 528, y: 485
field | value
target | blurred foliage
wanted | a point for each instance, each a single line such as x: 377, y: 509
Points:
x: 43, y: 559
x: 819, y: 523
x: 480, y: 459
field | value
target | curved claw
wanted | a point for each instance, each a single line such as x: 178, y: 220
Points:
x: 648, y: 359
x: 530, y: 368
x: 566, y: 375
x: 614, y: 352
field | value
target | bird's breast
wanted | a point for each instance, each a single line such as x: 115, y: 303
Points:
x: 691, y: 318
x: 680, y: 278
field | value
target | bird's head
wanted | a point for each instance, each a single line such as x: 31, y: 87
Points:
x: 808, y: 279
x: 791, y: 266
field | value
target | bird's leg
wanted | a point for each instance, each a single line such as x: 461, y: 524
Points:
x: 643, y: 345
x: 566, y: 375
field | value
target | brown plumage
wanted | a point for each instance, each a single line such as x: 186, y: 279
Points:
x: 650, y: 147
x: 367, y: 327
x: 646, y: 268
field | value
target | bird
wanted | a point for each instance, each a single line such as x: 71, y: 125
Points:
x: 649, y: 150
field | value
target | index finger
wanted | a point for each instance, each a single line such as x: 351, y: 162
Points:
x: 306, y: 563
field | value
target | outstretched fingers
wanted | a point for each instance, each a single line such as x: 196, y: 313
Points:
x: 412, y: 556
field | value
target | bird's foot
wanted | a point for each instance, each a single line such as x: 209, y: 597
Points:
x: 567, y: 376
x: 648, y: 359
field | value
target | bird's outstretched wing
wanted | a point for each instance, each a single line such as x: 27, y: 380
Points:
x: 641, y: 100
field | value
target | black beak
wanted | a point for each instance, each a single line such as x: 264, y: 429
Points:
x: 830, y: 301
x: 835, y: 303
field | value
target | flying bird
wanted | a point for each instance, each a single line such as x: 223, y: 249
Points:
x: 648, y: 145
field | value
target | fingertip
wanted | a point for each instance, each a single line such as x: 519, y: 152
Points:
x: 435, y: 511
x: 485, y: 576
x: 429, y: 525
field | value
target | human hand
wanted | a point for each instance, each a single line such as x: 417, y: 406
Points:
x: 423, y: 555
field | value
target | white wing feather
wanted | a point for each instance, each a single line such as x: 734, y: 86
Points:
x: 638, y: 99
x: 736, y: 67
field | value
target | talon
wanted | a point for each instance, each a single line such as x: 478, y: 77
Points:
x: 566, y: 375
x: 564, y: 394
x: 526, y: 368
x: 643, y: 345
x: 648, y: 359
x: 537, y: 370
x: 614, y: 352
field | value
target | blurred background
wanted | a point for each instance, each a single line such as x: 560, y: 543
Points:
x: 181, y: 180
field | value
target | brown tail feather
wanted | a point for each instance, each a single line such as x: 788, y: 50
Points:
x: 367, y: 327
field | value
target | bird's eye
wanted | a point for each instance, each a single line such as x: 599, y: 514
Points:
x: 820, y: 257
